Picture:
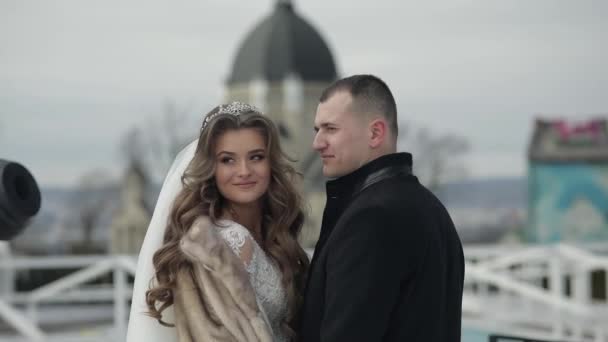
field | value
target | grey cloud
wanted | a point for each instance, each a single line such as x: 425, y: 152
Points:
x: 482, y: 69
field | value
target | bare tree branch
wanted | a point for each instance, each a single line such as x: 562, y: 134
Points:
x: 91, y: 201
x: 437, y: 158
x: 156, y: 142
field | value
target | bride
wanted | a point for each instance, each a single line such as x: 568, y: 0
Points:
x: 220, y: 260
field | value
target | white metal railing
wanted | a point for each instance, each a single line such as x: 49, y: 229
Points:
x: 65, y: 290
x: 525, y: 289
x: 518, y: 289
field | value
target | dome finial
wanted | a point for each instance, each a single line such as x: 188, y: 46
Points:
x: 286, y: 3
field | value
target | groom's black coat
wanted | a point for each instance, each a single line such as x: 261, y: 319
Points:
x: 388, y: 265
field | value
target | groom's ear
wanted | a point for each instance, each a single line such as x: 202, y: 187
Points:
x: 377, y: 132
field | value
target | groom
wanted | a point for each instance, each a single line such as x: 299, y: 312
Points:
x: 388, y: 265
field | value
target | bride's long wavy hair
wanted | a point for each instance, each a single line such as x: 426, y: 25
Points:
x: 282, y: 216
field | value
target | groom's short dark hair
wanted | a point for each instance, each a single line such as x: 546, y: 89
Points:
x: 370, y: 95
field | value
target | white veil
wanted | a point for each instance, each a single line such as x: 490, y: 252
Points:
x: 141, y: 326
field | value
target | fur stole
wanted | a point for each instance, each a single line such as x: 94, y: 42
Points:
x: 214, y: 299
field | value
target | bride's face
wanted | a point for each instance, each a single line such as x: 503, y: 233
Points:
x: 242, y: 171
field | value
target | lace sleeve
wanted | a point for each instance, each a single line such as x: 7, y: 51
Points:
x: 242, y: 244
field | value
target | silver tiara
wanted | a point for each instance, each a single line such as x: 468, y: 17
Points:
x: 234, y: 108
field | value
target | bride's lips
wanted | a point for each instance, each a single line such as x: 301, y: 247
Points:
x: 245, y: 185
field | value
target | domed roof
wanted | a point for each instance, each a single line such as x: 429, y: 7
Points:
x: 281, y: 45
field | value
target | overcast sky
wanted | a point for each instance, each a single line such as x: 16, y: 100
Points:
x: 75, y: 75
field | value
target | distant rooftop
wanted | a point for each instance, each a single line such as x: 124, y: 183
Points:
x: 569, y: 141
x: 281, y: 45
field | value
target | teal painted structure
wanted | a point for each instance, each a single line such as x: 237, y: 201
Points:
x: 568, y: 182
x: 568, y: 202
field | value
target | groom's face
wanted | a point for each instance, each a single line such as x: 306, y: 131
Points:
x: 341, y: 137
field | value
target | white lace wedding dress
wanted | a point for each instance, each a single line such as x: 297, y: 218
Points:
x: 264, y: 274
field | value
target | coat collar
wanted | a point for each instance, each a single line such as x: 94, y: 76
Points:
x: 372, y: 172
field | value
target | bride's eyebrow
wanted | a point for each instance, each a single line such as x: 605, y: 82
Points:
x: 259, y: 150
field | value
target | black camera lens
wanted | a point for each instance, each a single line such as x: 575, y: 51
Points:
x: 19, y: 198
